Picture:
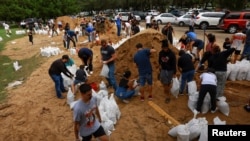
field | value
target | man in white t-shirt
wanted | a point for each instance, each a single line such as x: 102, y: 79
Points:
x: 238, y: 40
x: 7, y: 29
x: 208, y: 85
x: 148, y: 21
x: 127, y: 28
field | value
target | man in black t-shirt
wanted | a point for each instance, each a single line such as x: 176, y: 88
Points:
x: 55, y: 70
x: 108, y: 57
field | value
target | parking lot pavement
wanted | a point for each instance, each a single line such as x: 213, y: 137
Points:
x: 179, y: 31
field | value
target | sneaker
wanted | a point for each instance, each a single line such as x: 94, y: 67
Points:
x: 142, y: 98
x: 125, y: 101
x: 150, y: 97
x: 213, y: 111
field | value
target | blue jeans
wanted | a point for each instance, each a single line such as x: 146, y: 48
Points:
x: 58, y: 80
x: 246, y: 51
x: 145, y: 78
x: 118, y: 30
x: 185, y: 78
x: 123, y: 93
x: 111, y: 79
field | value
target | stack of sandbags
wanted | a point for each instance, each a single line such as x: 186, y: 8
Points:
x: 238, y: 71
x: 49, y: 51
x: 20, y: 32
x: 191, y: 130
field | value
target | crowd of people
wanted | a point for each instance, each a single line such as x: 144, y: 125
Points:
x: 212, y: 79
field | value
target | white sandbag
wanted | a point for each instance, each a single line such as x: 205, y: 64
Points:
x: 218, y: 121
x: 173, y: 131
x: 115, y: 108
x: 72, y: 51
x: 248, y: 74
x: 192, y: 101
x: 206, y: 104
x: 20, y: 32
x: 175, y: 87
x: 175, y: 42
x: 105, y: 71
x: 106, y: 123
x: 229, y: 69
x: 1, y: 39
x: 244, y: 65
x: 72, y: 105
x: 183, y: 133
x: 102, y: 93
x: 98, y: 97
x: 16, y: 66
x: 103, y: 106
x: 204, y: 133
x: 102, y: 86
x: 70, y: 97
x: 223, y: 106
x: 192, y: 87
x: 194, y: 129
x: 234, y: 72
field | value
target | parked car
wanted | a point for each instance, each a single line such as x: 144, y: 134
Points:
x: 183, y: 20
x: 234, y: 21
x: 125, y: 16
x: 208, y: 19
x: 164, y: 18
x: 153, y: 12
x: 141, y: 14
x: 177, y: 12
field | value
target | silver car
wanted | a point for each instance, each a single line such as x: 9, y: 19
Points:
x: 183, y: 20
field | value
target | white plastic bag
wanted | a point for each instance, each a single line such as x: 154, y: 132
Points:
x: 105, y: 71
x: 70, y: 97
x: 223, y: 106
x: 192, y: 100
x: 192, y: 87
x: 183, y: 133
x: 175, y: 87
x: 218, y: 121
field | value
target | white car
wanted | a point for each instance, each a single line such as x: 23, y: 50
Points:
x: 183, y: 20
x: 208, y: 19
x: 153, y: 12
x: 165, y: 18
x: 125, y: 16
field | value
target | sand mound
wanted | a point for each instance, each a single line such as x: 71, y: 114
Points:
x: 73, y: 22
x: 150, y: 38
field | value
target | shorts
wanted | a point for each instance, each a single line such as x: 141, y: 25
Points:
x: 237, y: 52
x: 166, y: 77
x: 98, y: 133
x: 199, y: 44
x: 145, y: 78
x: 78, y: 81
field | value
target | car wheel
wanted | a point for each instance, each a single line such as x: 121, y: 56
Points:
x: 203, y: 25
x: 232, y: 29
x: 159, y: 21
x: 181, y: 23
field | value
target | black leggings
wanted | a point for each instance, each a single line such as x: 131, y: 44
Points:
x: 211, y: 89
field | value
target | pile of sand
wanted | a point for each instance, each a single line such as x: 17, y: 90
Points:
x: 73, y: 22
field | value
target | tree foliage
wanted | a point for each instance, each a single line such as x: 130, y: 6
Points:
x: 16, y: 10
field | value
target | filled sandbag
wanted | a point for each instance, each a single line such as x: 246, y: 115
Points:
x: 175, y: 87
x: 223, y: 106
x: 194, y: 129
x: 218, y: 121
x: 192, y: 87
x: 192, y: 101
x: 183, y: 133
x: 234, y: 72
x: 244, y: 65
